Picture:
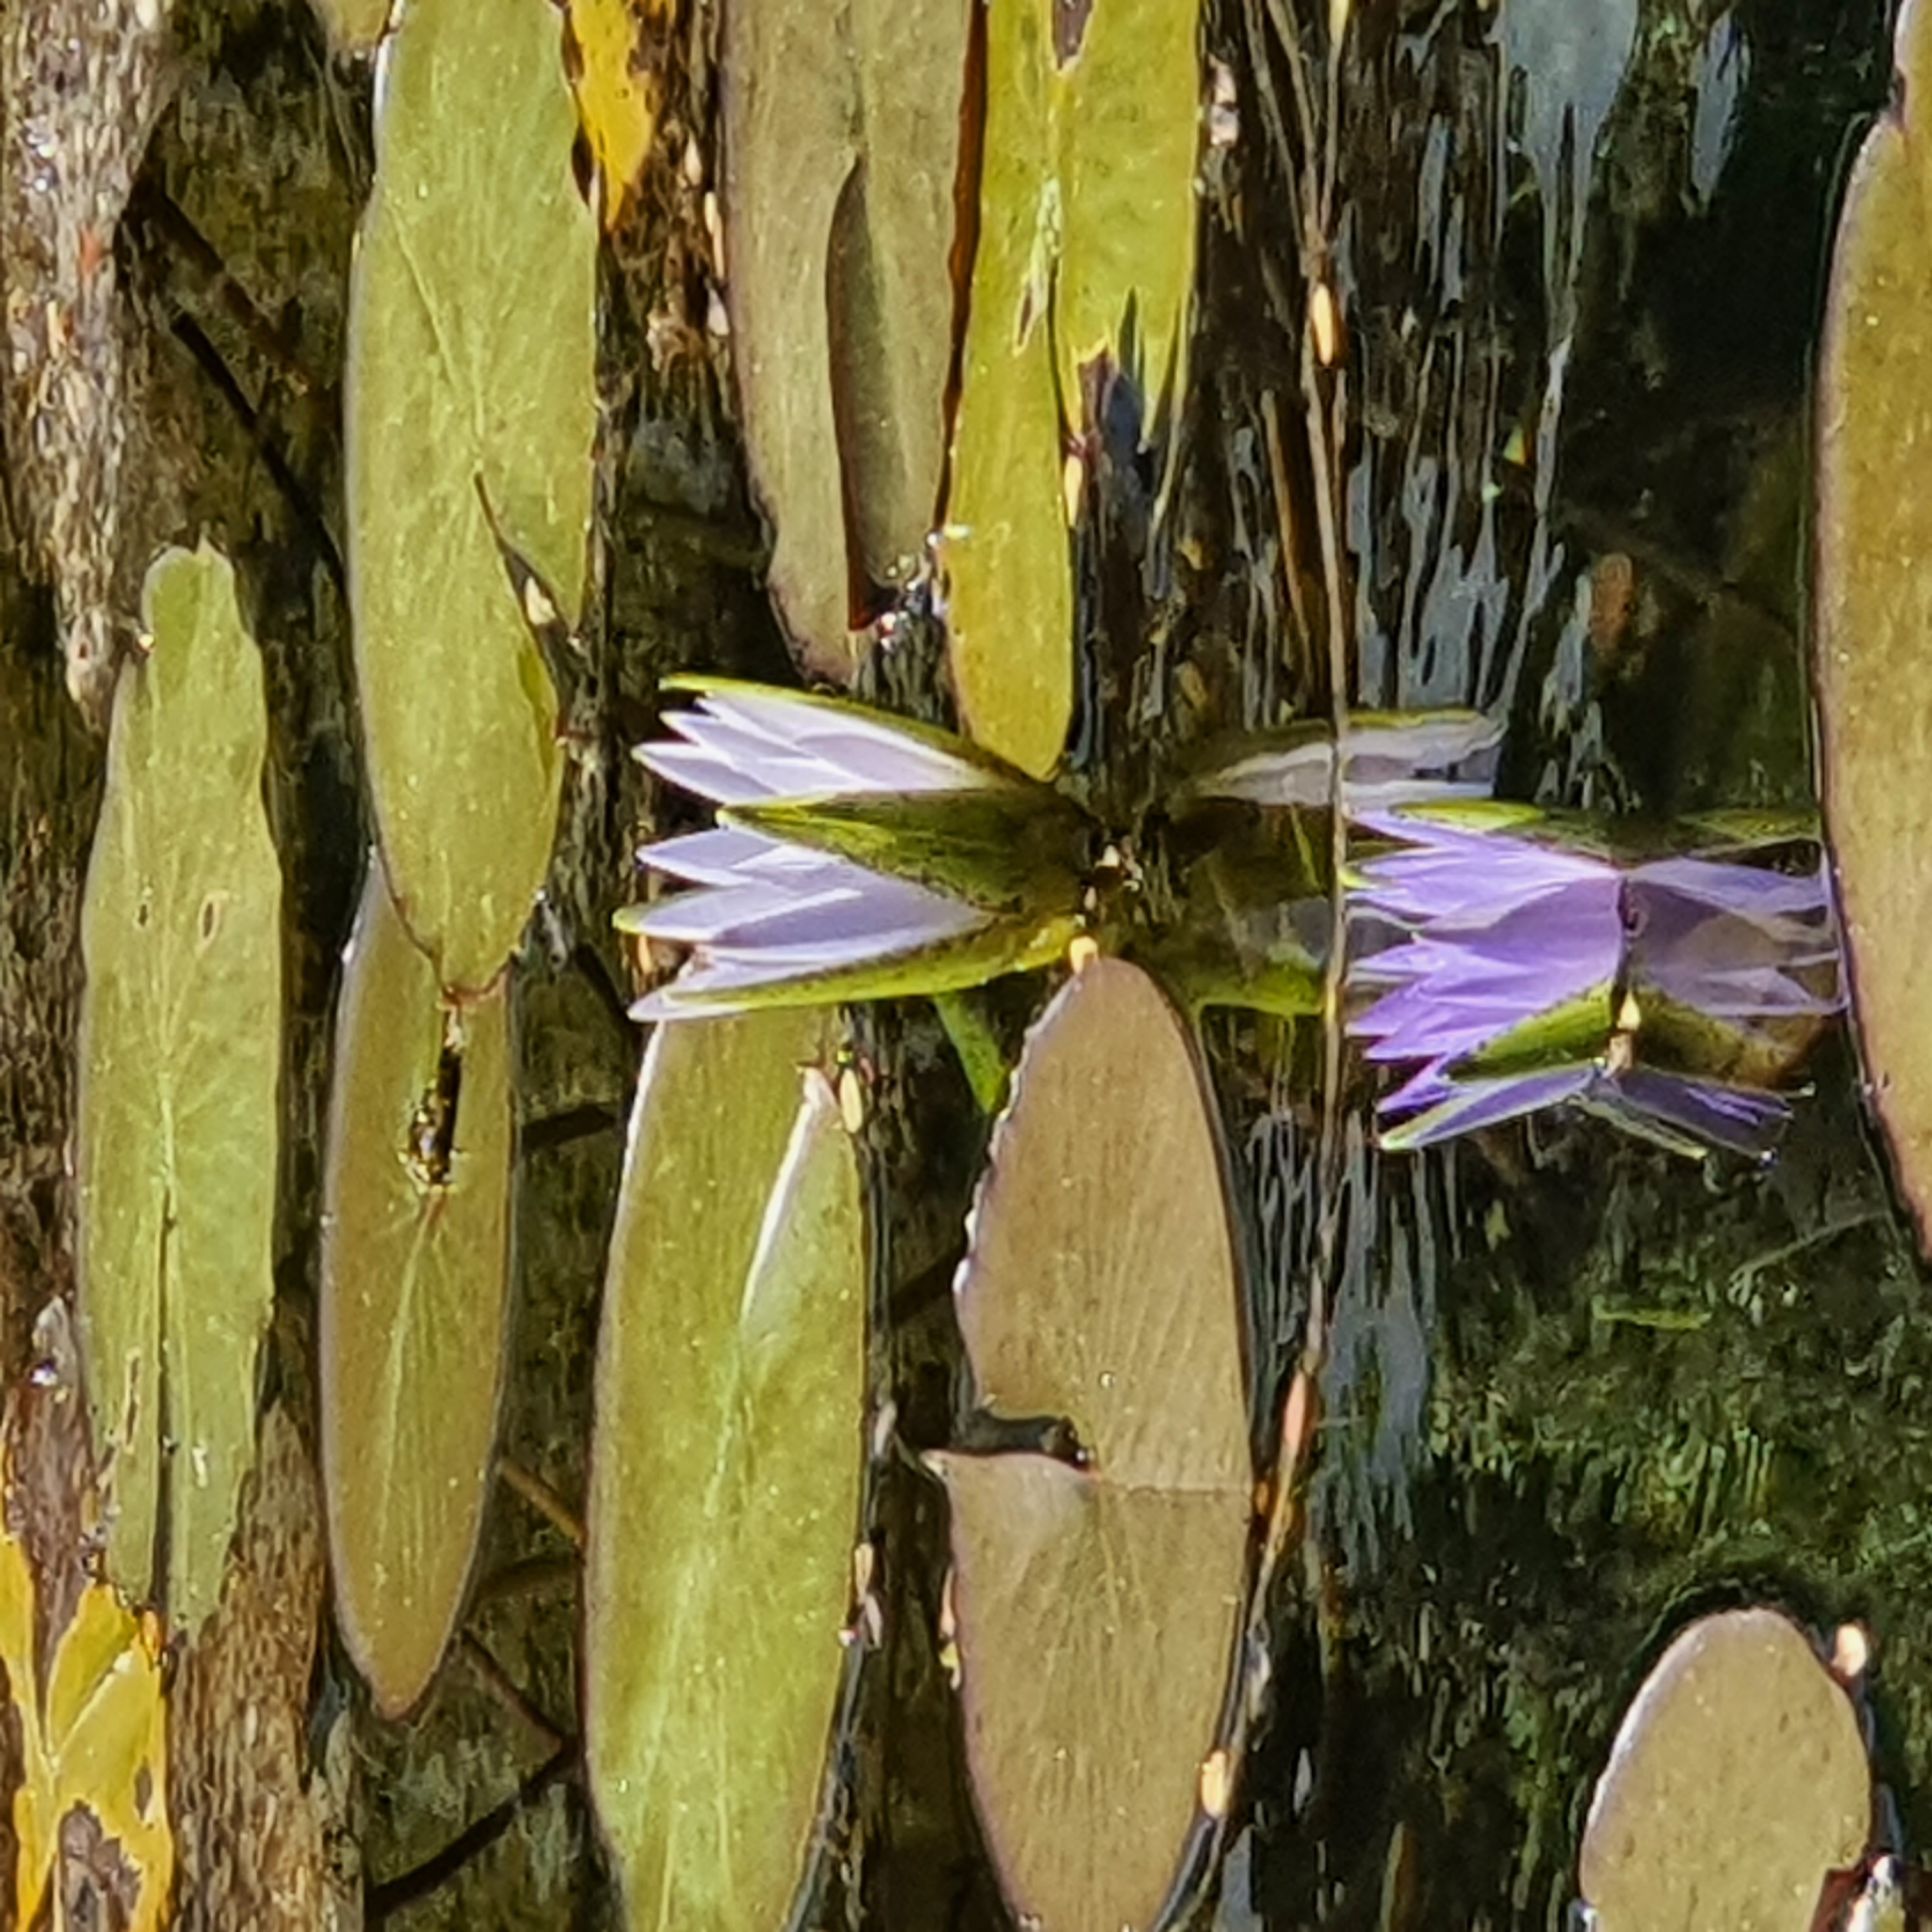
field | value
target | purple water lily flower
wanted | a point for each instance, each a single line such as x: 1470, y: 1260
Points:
x: 769, y: 913
x: 1519, y: 974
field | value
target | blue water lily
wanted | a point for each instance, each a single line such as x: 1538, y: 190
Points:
x: 1513, y: 972
x: 862, y: 855
x: 855, y: 857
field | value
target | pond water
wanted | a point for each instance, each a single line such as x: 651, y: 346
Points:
x: 1573, y: 1390
x: 1499, y: 398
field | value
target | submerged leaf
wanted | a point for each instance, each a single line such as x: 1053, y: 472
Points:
x: 726, y: 1474
x: 415, y: 1276
x: 1086, y: 252
x: 1097, y: 1605
x: 1737, y: 1784
x: 842, y: 134
x: 180, y: 1057
x: 620, y: 89
x: 1873, y: 600
x: 470, y: 393
x: 93, y: 1747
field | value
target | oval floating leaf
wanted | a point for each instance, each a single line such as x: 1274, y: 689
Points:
x: 1873, y: 601
x: 841, y: 132
x: 180, y: 1057
x: 1086, y: 251
x: 414, y: 1273
x: 1737, y: 1783
x: 1097, y: 1606
x: 469, y: 392
x: 726, y: 1475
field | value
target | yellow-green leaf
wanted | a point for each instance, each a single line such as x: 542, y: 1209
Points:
x: 470, y: 376
x: 180, y: 1058
x: 841, y: 132
x: 415, y: 1274
x: 1086, y: 217
x: 620, y: 88
x: 1100, y: 1287
x: 1873, y: 600
x: 726, y: 1474
x: 97, y: 1742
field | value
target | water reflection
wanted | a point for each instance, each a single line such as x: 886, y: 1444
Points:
x: 1664, y: 995
x: 1504, y: 959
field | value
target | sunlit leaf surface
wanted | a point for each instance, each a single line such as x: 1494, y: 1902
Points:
x: 180, y: 1055
x: 93, y: 1746
x: 415, y: 1271
x: 1874, y: 601
x: 725, y: 1476
x: 1087, y: 214
x: 1737, y: 1782
x: 616, y: 45
x: 841, y: 131
x: 470, y: 376
x: 1096, y: 1606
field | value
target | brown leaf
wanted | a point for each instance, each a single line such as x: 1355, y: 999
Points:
x: 1097, y: 1606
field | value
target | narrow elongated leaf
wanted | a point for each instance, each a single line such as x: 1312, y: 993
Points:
x: 725, y: 1477
x: 415, y: 1272
x: 1737, y: 1783
x: 180, y: 1055
x: 1874, y: 601
x: 470, y: 378
x: 1086, y: 222
x: 842, y: 134
x: 1097, y: 1605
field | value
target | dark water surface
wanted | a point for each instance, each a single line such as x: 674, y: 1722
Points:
x: 1576, y: 1390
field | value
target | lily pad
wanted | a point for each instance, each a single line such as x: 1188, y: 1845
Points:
x: 180, y: 1058
x: 1737, y: 1783
x: 470, y: 391
x: 841, y: 144
x: 1874, y: 601
x: 726, y: 1474
x: 1097, y: 1603
x: 415, y: 1276
x: 1086, y: 251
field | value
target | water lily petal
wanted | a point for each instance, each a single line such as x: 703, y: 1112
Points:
x: 1696, y: 1114
x: 744, y: 745
x: 1463, y: 1107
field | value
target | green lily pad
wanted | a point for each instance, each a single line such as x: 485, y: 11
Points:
x: 1098, y: 1605
x: 1087, y: 218
x: 180, y: 1058
x: 842, y: 139
x: 1874, y: 601
x: 726, y: 1474
x: 1737, y: 1784
x: 415, y: 1277
x: 470, y: 377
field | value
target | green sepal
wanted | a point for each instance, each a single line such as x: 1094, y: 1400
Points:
x: 1020, y: 854
x: 1575, y: 1031
x: 951, y: 966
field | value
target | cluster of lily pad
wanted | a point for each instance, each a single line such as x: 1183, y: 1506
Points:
x: 1510, y: 959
